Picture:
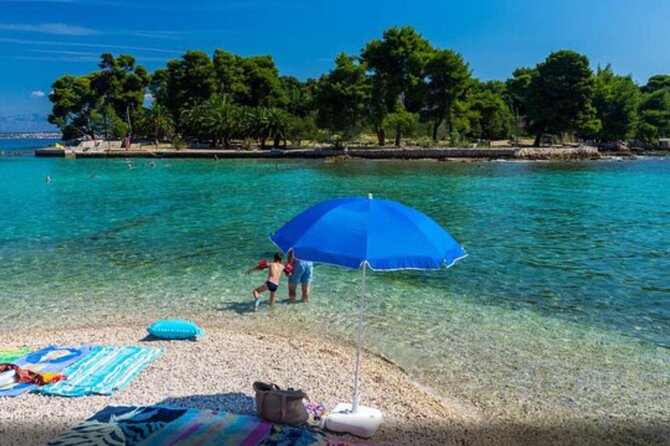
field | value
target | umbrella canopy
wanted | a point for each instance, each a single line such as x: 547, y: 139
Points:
x: 360, y: 232
x: 384, y: 234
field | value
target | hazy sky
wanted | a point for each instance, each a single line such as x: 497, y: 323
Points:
x: 41, y: 40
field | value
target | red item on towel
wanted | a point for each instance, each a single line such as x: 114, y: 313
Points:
x: 25, y: 376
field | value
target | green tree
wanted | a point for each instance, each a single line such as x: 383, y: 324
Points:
x: 397, y: 64
x: 402, y: 122
x: 158, y: 122
x: 119, y: 87
x: 654, y: 116
x: 300, y: 95
x: 264, y: 88
x: 560, y: 94
x: 105, y: 121
x: 277, y: 125
x: 654, y: 109
x: 488, y: 112
x: 657, y: 82
x: 616, y: 100
x: 448, y: 77
x: 187, y: 82
x: 222, y: 119
x: 230, y: 75
x: 518, y: 88
x: 342, y: 98
x: 256, y: 124
x: 303, y: 129
x: 73, y: 106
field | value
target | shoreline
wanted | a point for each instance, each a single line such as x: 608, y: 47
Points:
x: 445, y: 154
x: 441, y: 154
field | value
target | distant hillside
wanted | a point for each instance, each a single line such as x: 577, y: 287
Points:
x: 30, y: 135
x: 26, y: 123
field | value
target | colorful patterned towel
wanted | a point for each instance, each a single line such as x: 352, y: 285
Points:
x: 51, y: 359
x: 164, y: 426
x: 12, y: 354
x: 103, y: 371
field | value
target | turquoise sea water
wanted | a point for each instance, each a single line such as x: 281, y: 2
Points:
x: 23, y: 146
x: 567, y: 274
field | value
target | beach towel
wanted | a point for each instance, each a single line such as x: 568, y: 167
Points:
x: 103, y: 371
x: 165, y: 426
x: 12, y: 354
x: 52, y: 359
x: 119, y: 426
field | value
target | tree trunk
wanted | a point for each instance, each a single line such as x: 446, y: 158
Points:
x: 263, y: 143
x: 538, y: 138
x: 130, y: 127
x: 436, y: 126
x: 397, y: 136
x: 226, y: 142
x: 276, y: 142
x: 381, y: 136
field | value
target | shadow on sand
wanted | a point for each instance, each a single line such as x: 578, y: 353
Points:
x: 235, y: 402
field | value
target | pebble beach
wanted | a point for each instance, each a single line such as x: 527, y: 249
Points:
x: 216, y: 372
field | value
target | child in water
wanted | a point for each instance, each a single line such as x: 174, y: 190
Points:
x: 275, y: 269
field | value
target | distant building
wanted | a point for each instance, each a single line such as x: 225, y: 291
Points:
x: 664, y: 142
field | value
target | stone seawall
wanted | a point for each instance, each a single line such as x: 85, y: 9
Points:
x: 414, y: 153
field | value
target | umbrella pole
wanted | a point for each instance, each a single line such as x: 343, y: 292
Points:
x: 359, y: 348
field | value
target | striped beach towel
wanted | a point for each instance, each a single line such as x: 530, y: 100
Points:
x: 166, y: 426
x: 103, y: 371
x: 208, y: 427
x: 52, y: 359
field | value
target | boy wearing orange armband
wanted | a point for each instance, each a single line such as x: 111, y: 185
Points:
x: 275, y: 269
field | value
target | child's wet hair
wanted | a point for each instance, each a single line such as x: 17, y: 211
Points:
x: 278, y: 257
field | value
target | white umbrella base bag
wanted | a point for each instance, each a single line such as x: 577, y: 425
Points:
x: 362, y: 423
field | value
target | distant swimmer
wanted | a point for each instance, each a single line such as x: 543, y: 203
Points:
x: 130, y: 166
x: 216, y: 157
x: 151, y: 164
x: 47, y: 179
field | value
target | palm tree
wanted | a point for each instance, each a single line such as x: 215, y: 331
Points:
x: 159, y: 122
x: 278, y: 123
x: 192, y: 121
x: 257, y: 120
x: 221, y: 119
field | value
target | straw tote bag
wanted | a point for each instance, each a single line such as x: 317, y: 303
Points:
x: 280, y: 406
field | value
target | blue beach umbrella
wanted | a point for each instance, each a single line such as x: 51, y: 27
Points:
x: 361, y: 233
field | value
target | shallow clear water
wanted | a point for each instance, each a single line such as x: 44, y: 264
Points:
x: 567, y: 269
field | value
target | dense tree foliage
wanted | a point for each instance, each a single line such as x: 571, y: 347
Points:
x: 343, y: 96
x: 489, y: 115
x: 447, y: 78
x: 397, y: 65
x: 616, y: 100
x: 399, y: 85
x: 560, y: 95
